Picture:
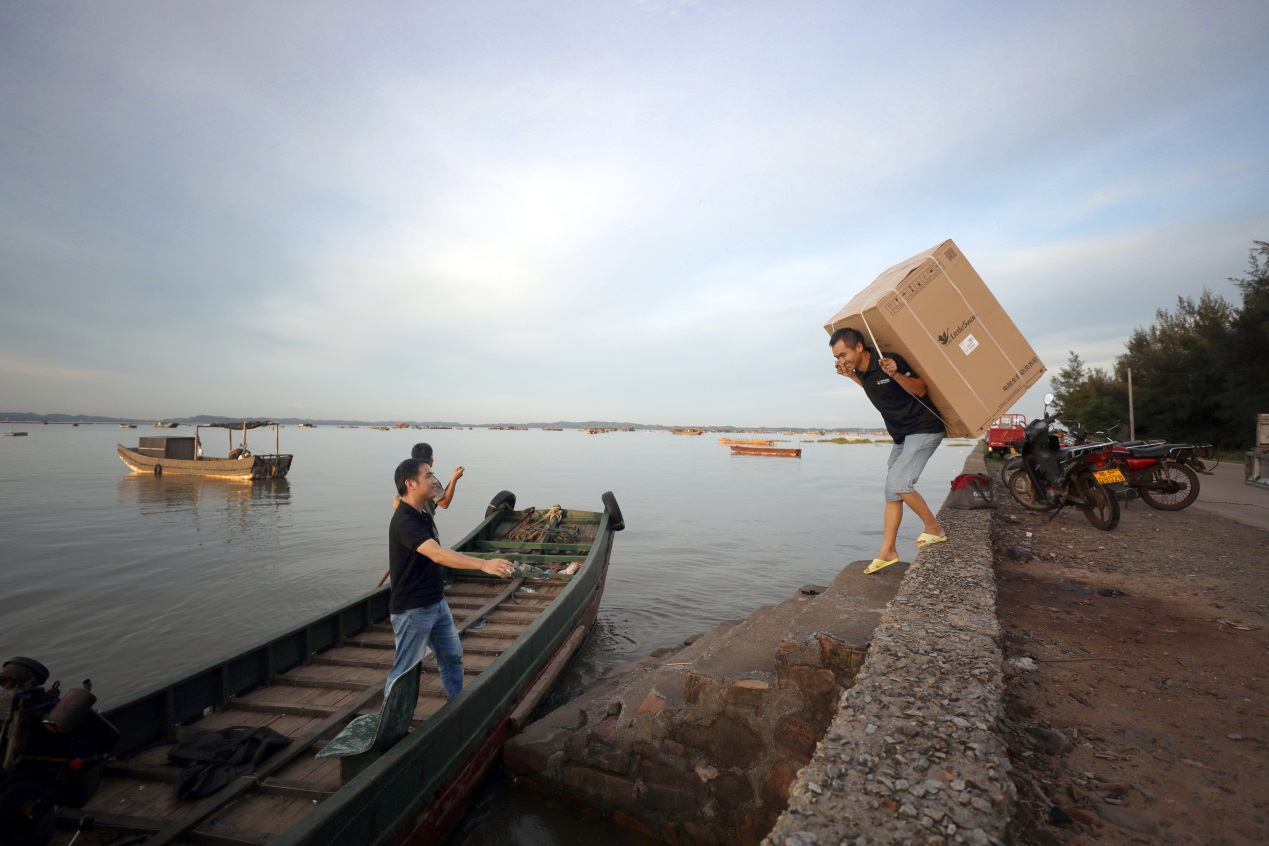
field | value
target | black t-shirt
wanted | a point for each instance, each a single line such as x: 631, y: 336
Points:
x: 417, y: 581
x: 903, y: 413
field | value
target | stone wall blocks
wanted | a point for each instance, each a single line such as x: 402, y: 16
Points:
x: 697, y: 686
x: 602, y: 789
x: 653, y: 703
x: 774, y: 788
x: 727, y: 740
x: 679, y: 804
x: 623, y: 820
x: 646, y: 748
x: 747, y: 692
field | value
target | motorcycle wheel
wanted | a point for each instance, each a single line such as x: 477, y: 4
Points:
x: 1019, y: 485
x: 1007, y: 469
x: 1098, y: 503
x: 1170, y: 486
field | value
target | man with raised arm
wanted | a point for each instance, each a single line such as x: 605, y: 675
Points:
x: 420, y: 614
x: 443, y: 500
x: 899, y: 394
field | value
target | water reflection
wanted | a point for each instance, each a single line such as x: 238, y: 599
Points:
x: 240, y: 509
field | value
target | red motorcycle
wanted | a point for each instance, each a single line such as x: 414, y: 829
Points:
x: 1164, y: 475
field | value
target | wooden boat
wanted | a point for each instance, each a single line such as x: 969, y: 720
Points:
x: 309, y: 682
x: 159, y: 455
x: 127, y: 425
x: 784, y: 452
x: 758, y: 442
x: 161, y: 425
x: 687, y: 431
x: 15, y: 434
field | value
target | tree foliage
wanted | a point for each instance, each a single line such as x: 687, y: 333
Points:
x: 1197, y: 372
x: 1089, y: 396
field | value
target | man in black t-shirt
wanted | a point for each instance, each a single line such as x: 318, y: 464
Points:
x: 899, y: 394
x: 420, y: 614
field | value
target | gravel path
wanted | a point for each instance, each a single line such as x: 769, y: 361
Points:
x: 1136, y: 679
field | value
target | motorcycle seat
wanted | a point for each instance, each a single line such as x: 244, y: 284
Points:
x: 1154, y: 450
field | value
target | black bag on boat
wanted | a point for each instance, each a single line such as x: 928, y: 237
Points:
x: 213, y: 759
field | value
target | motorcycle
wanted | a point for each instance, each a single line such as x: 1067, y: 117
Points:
x: 1164, y: 475
x: 1048, y: 478
x: 53, y: 748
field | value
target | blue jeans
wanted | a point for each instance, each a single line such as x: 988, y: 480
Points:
x: 433, y: 626
x: 907, y: 460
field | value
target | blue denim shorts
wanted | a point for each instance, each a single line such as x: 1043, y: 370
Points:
x: 907, y: 460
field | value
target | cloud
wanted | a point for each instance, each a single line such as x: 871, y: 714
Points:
x: 14, y: 366
x: 646, y: 207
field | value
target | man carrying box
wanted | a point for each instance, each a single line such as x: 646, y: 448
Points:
x: 896, y: 392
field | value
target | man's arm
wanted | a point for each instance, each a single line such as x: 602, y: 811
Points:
x: 914, y: 385
x: 444, y: 555
x: 448, y: 497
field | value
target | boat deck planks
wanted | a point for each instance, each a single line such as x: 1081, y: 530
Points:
x: 310, y: 703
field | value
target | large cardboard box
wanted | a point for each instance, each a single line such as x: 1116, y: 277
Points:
x: 936, y: 312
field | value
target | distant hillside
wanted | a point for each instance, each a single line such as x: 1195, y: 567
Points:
x: 33, y: 417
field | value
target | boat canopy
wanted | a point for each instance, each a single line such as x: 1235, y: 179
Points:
x: 246, y: 424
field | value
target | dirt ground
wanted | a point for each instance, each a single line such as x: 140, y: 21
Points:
x: 1136, y: 704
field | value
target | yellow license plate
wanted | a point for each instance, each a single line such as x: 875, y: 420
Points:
x: 1109, y: 477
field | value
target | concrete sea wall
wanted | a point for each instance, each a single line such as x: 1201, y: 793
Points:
x: 916, y: 753
x: 864, y: 711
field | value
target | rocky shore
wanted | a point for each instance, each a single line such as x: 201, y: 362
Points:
x: 700, y: 743
x: 711, y: 741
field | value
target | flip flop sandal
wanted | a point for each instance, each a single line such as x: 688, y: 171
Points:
x: 877, y: 564
x: 925, y: 540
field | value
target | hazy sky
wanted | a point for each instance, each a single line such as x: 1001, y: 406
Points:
x: 643, y: 211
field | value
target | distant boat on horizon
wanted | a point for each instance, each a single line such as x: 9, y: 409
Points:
x: 184, y: 456
x: 781, y: 452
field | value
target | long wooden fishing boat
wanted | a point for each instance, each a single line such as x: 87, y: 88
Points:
x: 309, y: 682
x: 757, y: 442
x: 184, y: 455
x: 783, y: 452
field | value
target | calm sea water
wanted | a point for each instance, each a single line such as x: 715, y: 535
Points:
x: 130, y: 579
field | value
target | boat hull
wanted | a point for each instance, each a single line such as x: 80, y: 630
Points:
x: 247, y: 468
x: 420, y: 786
x: 439, y: 817
x: 779, y: 452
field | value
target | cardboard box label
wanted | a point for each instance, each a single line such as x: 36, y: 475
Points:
x: 1021, y: 375
x: 969, y: 345
x: 918, y: 283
